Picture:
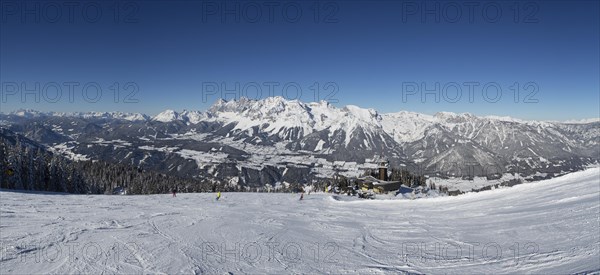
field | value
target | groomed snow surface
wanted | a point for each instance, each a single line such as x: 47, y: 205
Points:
x: 546, y: 227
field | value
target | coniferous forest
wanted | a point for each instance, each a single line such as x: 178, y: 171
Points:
x: 26, y: 165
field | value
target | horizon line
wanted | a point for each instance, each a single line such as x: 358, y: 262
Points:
x: 150, y: 116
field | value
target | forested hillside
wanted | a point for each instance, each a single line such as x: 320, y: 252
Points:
x: 27, y: 165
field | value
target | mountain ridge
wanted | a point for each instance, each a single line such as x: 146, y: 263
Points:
x: 273, y: 140
x: 222, y: 102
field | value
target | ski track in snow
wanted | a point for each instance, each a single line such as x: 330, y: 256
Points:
x: 549, y: 227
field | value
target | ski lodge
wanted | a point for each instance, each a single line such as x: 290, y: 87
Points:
x: 379, y: 185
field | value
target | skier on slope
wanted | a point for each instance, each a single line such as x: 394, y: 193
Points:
x: 301, y: 196
x: 174, y: 192
x: 219, y: 195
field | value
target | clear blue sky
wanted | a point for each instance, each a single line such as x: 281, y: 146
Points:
x: 374, y: 52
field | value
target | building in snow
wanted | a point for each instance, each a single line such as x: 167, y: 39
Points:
x: 377, y: 185
x: 383, y: 169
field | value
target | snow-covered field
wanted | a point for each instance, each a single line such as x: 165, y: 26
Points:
x: 547, y: 227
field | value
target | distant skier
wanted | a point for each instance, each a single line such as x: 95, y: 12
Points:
x: 301, y: 196
x: 174, y: 192
x: 219, y: 195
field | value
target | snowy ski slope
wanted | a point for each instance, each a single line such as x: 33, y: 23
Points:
x: 549, y: 227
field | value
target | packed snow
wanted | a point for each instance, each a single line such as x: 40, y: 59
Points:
x: 545, y: 227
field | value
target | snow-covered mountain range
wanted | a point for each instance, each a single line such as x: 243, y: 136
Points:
x: 104, y: 115
x: 257, y: 142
